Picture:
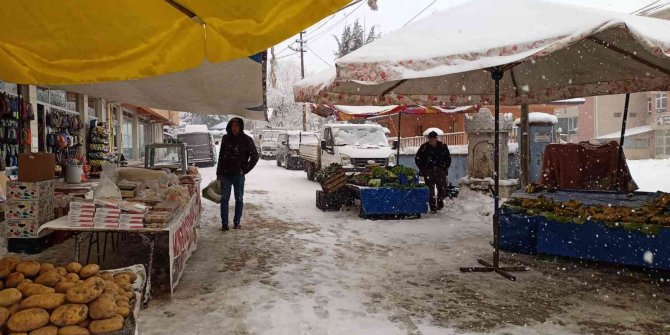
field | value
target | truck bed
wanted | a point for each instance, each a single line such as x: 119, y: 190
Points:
x: 310, y: 153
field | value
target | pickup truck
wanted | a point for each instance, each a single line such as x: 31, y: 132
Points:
x: 354, y: 146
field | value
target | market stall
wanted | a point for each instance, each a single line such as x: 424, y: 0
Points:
x: 379, y: 192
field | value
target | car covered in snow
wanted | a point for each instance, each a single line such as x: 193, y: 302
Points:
x: 268, y: 143
x: 288, y: 145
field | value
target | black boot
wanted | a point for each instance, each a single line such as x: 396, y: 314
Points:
x: 225, y: 228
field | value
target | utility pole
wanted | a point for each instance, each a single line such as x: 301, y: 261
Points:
x: 302, y: 51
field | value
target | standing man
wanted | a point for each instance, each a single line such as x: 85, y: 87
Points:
x: 433, y: 160
x: 237, y: 157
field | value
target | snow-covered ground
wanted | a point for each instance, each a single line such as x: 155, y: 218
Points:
x: 651, y: 174
x: 294, y: 269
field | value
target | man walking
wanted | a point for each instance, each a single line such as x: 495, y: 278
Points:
x: 433, y: 160
x: 237, y: 157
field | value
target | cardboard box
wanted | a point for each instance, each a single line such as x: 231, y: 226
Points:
x: 29, y: 209
x: 25, y: 228
x: 35, y: 167
x: 30, y: 191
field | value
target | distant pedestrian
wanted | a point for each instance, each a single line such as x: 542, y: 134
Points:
x: 433, y: 160
x: 237, y: 157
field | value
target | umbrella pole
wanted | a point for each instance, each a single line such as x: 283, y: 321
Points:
x: 619, y: 165
x: 497, y: 75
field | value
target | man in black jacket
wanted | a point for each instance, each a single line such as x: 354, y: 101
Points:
x: 237, y: 157
x: 433, y: 160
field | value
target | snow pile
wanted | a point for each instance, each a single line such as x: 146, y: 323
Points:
x: 537, y: 117
x: 650, y: 174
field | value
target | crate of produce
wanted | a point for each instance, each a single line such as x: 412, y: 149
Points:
x: 332, y: 178
x: 333, y: 201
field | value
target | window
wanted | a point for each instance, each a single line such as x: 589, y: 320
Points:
x: 141, y: 138
x: 661, y: 103
x: 636, y: 143
x: 662, y: 143
x: 127, y: 138
x: 617, y: 114
x: 568, y: 125
x: 650, y: 106
x: 633, y: 115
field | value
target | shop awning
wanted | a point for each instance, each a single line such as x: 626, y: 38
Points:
x: 48, y: 42
x: 347, y: 113
x: 629, y: 132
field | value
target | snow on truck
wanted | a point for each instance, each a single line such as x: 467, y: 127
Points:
x: 354, y: 146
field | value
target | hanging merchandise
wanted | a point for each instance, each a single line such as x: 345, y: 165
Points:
x: 14, y: 127
x: 98, y: 147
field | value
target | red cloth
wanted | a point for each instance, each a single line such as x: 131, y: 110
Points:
x: 584, y: 166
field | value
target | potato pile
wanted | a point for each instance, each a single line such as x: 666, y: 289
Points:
x: 41, y: 299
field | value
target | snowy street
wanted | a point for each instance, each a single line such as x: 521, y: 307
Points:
x: 293, y: 269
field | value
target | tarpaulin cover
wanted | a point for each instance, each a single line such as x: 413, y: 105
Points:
x: 391, y: 201
x: 585, y: 166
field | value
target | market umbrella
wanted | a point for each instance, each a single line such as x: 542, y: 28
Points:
x: 87, y: 42
x: 552, y: 51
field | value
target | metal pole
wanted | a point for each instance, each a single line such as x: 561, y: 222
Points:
x: 496, y: 75
x: 302, y: 75
x: 397, y: 157
x: 619, y: 169
x: 524, y: 145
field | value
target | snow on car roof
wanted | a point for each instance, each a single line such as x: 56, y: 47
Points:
x: 353, y: 125
x: 195, y: 128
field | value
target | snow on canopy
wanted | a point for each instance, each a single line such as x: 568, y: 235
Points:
x: 537, y: 117
x: 195, y: 128
x: 565, y: 52
x: 437, y: 130
x: 629, y: 132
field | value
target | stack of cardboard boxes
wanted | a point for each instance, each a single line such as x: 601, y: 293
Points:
x: 30, y: 203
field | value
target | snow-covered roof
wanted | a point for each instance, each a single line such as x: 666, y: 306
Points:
x: 537, y: 117
x: 220, y: 126
x: 353, y: 125
x: 455, y: 109
x: 195, y: 128
x: 571, y: 101
x: 386, y: 130
x: 437, y: 130
x: 353, y: 110
x: 629, y: 132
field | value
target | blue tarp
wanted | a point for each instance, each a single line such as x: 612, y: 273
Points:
x: 391, y: 201
x: 590, y: 240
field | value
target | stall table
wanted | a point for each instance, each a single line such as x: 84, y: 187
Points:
x: 181, y: 231
x: 639, y: 245
x: 385, y: 201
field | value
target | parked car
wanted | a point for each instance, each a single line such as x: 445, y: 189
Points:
x: 200, y: 145
x: 269, y: 143
x: 288, y: 145
x: 354, y: 146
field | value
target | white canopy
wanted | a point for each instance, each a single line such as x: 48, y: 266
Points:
x: 550, y: 51
x: 436, y: 130
x: 221, y: 88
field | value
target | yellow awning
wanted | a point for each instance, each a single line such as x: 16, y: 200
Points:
x: 50, y: 42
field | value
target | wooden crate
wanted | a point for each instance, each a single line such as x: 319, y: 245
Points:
x: 335, y: 182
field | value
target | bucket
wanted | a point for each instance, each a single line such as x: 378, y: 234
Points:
x: 73, y: 174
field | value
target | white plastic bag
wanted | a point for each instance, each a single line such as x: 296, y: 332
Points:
x: 107, y: 187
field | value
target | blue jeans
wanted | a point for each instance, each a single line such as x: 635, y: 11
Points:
x: 228, y: 183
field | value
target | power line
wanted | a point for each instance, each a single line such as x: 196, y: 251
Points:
x: 423, y: 10
x: 319, y: 35
x: 333, y: 15
x: 317, y: 55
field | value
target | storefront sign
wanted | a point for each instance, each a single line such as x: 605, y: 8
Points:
x: 542, y: 137
x: 183, y: 239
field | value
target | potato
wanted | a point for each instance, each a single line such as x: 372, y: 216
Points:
x: 8, y: 265
x: 4, y: 315
x: 48, y: 330
x: 29, y: 268
x: 62, y: 287
x: 49, y: 279
x: 106, y: 276
x: 46, y: 301
x: 2, y: 286
x: 46, y: 267
x: 13, y: 309
x: 14, y: 279
x: 89, y: 270
x: 73, y: 330
x: 23, y: 284
x: 122, y: 280
x: 102, y: 308
x: 123, y: 298
x: 73, y: 267
x: 18, y: 333
x: 34, y: 289
x: 112, y: 324
x: 110, y: 284
x: 27, y: 320
x: 61, y: 271
x: 87, y: 291
x: 131, y: 275
x: 129, y: 294
x: 69, y: 315
x: 72, y: 277
x: 84, y: 323
x: 9, y: 297
x: 123, y: 311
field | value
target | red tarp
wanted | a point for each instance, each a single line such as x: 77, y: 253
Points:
x: 584, y: 166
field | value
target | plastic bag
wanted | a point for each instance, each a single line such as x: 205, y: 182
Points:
x: 213, y: 191
x: 107, y: 187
